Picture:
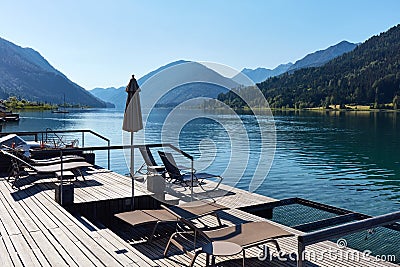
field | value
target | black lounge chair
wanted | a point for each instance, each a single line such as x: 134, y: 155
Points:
x: 174, y: 174
x: 17, y: 163
x: 149, y: 163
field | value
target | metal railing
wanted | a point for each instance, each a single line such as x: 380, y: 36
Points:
x: 341, y: 230
x: 119, y: 147
x: 43, y: 136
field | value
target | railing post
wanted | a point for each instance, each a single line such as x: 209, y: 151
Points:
x: 83, y: 139
x: 108, y: 156
x: 300, y: 252
x: 191, y: 195
x: 61, y: 180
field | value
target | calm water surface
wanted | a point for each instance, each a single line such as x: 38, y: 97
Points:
x: 347, y: 159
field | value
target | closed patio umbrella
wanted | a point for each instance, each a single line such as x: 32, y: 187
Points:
x: 132, y: 121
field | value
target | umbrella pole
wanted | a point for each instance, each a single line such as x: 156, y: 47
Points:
x: 132, y: 173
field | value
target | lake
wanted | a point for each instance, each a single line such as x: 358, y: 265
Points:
x: 345, y: 159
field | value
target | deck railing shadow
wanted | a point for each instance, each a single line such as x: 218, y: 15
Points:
x: 31, y: 186
x: 184, y: 193
x: 28, y: 191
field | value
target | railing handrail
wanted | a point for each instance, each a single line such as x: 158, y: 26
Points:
x: 109, y: 148
x: 55, y: 132
x: 342, y: 230
x: 118, y: 147
x: 349, y: 228
x: 27, y: 133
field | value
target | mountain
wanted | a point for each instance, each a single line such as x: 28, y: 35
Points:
x: 320, y: 57
x: 173, y: 84
x: 261, y: 74
x: 368, y: 75
x: 116, y: 96
x: 27, y: 74
x: 183, y: 82
x: 315, y: 59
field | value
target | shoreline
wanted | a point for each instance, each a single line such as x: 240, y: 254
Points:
x: 319, y: 109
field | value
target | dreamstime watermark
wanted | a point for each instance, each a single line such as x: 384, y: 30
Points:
x: 340, y: 253
x: 241, y: 146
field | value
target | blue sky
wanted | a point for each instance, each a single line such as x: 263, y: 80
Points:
x: 101, y: 43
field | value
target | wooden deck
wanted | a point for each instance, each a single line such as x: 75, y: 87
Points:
x: 36, y: 231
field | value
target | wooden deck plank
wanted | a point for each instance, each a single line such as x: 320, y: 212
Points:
x: 5, y: 258
x: 25, y: 253
x: 72, y: 229
x: 10, y: 227
x: 27, y: 225
x: 122, y: 246
x: 59, y: 212
x: 91, y: 256
x: 44, y: 237
x: 74, y: 251
x: 13, y: 254
x: 63, y: 248
x: 46, y: 244
x: 16, y: 211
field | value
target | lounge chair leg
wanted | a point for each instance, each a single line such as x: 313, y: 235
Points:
x: 195, y: 256
x: 169, y: 244
x: 218, y: 219
x: 153, y: 232
x: 78, y: 172
x: 273, y: 241
x: 16, y: 178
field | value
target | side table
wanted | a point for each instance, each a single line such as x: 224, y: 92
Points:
x: 221, y: 249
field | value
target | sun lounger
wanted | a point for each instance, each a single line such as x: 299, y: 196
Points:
x: 57, y: 160
x: 149, y: 162
x: 190, y: 211
x: 50, y: 168
x: 245, y: 235
x: 38, y: 162
x: 175, y: 175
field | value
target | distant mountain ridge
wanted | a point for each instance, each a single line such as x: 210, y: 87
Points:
x: 185, y: 81
x: 321, y: 57
x: 117, y: 96
x: 27, y: 74
x: 261, y: 74
x: 315, y: 59
x: 175, y: 96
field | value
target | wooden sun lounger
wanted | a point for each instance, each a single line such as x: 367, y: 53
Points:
x: 190, y: 211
